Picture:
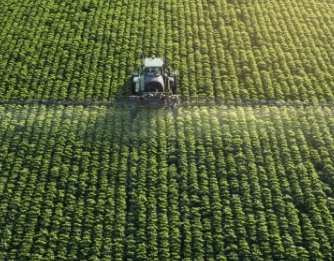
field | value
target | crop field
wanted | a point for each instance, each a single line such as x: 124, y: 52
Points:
x: 246, y: 183
x: 216, y: 184
x: 226, y: 48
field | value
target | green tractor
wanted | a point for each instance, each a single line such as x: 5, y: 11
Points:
x: 152, y: 87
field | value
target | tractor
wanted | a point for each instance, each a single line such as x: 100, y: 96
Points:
x: 152, y: 87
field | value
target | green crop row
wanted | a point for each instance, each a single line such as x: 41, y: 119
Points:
x: 256, y: 49
x: 213, y: 184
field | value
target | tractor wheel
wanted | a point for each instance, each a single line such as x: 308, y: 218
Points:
x: 133, y: 84
x: 174, y: 87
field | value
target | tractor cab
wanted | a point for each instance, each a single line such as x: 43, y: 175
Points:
x: 152, y: 87
x: 152, y: 78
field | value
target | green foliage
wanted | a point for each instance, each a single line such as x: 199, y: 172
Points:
x: 215, y: 184
x: 228, y: 49
x: 222, y: 183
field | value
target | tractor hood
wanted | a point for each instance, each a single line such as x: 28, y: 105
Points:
x: 154, y: 83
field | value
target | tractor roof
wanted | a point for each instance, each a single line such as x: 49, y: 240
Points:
x: 153, y: 62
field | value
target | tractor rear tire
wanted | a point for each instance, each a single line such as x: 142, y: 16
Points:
x: 174, y: 87
x: 133, y: 84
